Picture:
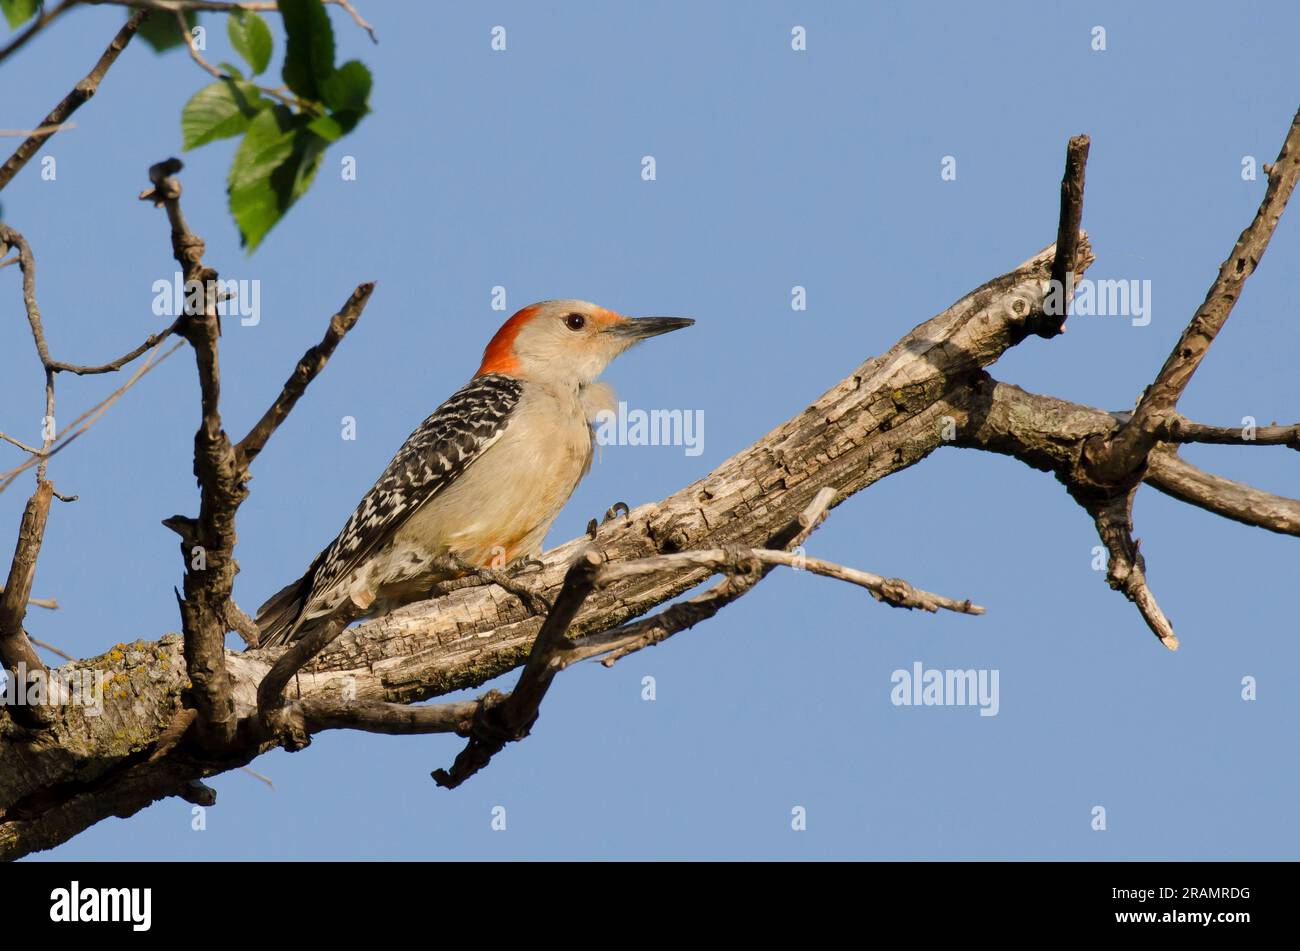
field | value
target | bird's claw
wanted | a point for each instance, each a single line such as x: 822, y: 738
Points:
x: 525, y: 564
x: 611, y: 513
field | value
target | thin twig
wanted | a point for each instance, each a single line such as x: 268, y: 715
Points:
x: 21, y: 445
x: 73, y: 100
x: 47, y: 17
x: 892, y: 591
x: 114, y: 365
x: 311, y: 364
x: 50, y: 647
x: 43, y: 130
x: 86, y: 419
x: 259, y: 777
x: 356, y: 18
x: 684, y: 615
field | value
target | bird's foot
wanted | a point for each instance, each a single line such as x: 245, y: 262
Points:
x: 610, y: 514
x: 503, y: 578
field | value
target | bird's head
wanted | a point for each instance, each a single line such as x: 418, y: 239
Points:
x: 567, y: 341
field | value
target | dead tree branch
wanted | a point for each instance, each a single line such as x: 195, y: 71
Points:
x: 312, y: 362
x: 1067, y: 235
x: 628, y: 639
x: 15, y: 649
x: 208, y: 542
x: 930, y: 390
x: 1126, y: 451
x: 498, y: 721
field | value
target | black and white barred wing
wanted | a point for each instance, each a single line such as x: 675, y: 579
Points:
x: 444, y: 445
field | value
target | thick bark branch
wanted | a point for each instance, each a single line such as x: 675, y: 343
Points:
x: 208, y: 542
x: 929, y: 390
x: 1049, y: 434
x: 887, y: 415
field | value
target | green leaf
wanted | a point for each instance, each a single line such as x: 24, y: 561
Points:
x: 309, y: 46
x: 219, y: 111
x: 327, y: 127
x: 347, y: 89
x: 18, y: 12
x: 273, y: 168
x: 162, y: 32
x: 230, y: 69
x: 251, y: 38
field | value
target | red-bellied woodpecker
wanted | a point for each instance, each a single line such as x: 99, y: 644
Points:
x: 482, y: 479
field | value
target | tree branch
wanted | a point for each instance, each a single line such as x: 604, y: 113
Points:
x: 83, y: 422
x: 1126, y: 450
x: 890, y: 413
x: 1067, y: 234
x: 114, y: 365
x: 497, y: 722
x: 1179, y: 429
x: 1178, y: 478
x: 395, y: 719
x: 73, y: 100
x: 312, y: 362
x: 15, y: 649
x: 684, y: 615
x: 47, y: 17
x: 208, y: 542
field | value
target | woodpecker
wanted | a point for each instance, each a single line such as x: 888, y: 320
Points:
x: 482, y: 479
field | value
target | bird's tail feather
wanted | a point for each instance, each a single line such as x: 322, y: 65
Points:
x: 278, y: 617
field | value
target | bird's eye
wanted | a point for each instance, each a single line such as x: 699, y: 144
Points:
x: 575, y: 321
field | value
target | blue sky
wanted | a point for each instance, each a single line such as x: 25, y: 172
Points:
x: 774, y: 168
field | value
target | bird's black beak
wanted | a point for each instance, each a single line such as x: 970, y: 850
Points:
x: 639, y: 328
